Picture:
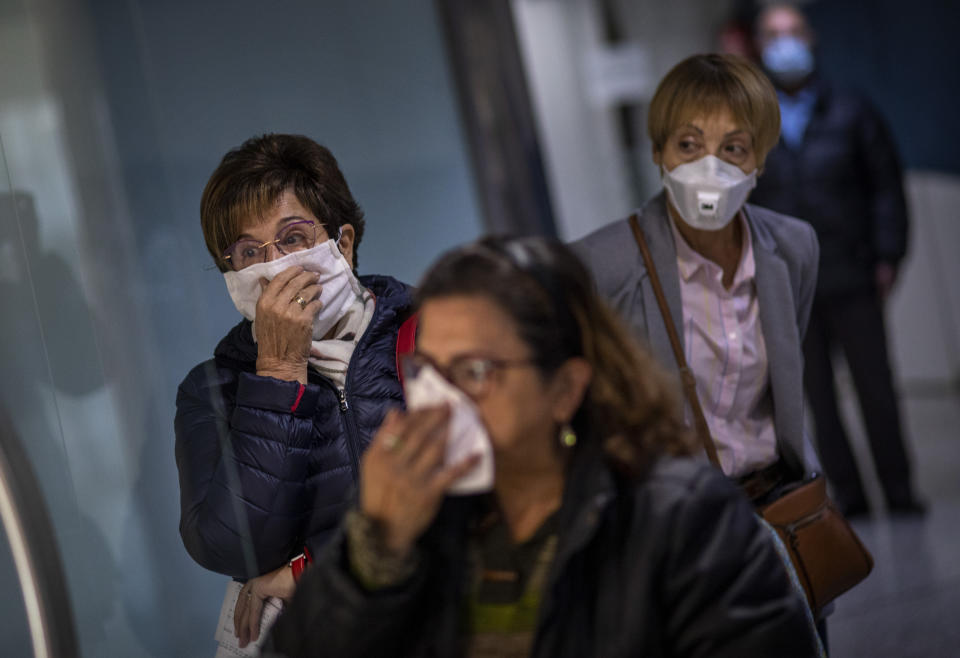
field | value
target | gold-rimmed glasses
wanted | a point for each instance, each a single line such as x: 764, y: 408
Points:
x: 295, y: 236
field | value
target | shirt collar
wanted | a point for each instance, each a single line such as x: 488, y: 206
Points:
x: 689, y: 262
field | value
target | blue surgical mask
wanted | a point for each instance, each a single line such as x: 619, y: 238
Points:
x: 788, y: 59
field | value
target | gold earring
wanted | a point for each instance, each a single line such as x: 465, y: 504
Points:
x: 568, y: 438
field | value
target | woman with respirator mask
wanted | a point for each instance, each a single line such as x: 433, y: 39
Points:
x: 270, y: 431
x: 736, y: 281
x: 590, y: 533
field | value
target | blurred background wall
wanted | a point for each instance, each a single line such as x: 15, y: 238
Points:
x: 114, y: 112
x: 112, y: 116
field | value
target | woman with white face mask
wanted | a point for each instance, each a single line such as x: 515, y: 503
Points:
x: 270, y: 431
x: 737, y: 280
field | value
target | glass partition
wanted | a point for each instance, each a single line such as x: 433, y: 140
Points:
x: 112, y: 116
x: 34, y: 604
x: 35, y: 616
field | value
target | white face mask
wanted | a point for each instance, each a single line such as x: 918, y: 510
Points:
x: 468, y: 435
x: 340, y: 287
x: 708, y: 192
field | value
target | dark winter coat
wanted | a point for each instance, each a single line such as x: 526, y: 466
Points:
x: 845, y: 179
x: 674, y: 565
x: 260, y: 458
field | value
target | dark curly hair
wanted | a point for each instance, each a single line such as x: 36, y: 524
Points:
x: 632, y: 405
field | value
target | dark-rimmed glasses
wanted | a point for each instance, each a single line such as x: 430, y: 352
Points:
x: 471, y: 373
x: 295, y: 236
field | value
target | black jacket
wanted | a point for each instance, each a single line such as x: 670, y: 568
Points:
x: 251, y: 467
x: 846, y: 180
x: 675, y: 565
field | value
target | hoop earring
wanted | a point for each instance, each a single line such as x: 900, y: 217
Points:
x: 567, y: 437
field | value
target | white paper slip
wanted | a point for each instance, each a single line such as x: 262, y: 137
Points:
x: 228, y: 644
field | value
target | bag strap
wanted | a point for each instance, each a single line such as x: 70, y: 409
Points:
x: 406, y: 340
x: 686, y: 375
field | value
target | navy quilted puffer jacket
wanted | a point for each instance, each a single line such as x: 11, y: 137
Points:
x: 265, y: 468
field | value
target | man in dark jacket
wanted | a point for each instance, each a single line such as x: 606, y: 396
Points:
x: 836, y: 166
x: 269, y: 432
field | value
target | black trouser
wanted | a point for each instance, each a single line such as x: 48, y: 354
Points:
x: 854, y: 323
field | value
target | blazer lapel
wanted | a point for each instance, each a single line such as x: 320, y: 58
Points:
x: 664, y: 254
x: 778, y: 322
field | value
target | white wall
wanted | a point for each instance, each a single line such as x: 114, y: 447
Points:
x: 584, y: 165
x: 924, y: 309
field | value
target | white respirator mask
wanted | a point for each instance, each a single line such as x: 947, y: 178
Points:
x: 708, y: 192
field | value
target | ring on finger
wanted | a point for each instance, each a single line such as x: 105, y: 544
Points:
x: 391, y: 442
x: 300, y: 300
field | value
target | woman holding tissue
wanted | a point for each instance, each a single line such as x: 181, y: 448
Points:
x: 597, y: 537
x: 270, y: 431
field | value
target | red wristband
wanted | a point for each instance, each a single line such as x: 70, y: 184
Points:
x: 297, y: 565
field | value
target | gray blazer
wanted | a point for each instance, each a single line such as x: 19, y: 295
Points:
x: 786, y: 253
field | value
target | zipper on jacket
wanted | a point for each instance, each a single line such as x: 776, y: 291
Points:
x: 353, y: 435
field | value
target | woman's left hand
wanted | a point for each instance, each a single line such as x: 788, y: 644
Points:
x: 249, y: 608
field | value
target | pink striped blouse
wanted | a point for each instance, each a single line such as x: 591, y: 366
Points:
x: 725, y: 349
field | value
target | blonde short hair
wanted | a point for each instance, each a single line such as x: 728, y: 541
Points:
x: 704, y: 84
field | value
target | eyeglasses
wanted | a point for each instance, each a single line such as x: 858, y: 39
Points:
x: 471, y: 373
x: 295, y: 236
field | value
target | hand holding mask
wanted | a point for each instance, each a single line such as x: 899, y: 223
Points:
x: 340, y: 287
x: 467, y: 434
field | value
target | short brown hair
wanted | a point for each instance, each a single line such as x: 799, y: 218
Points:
x: 631, y: 409
x: 704, y: 84
x: 253, y: 176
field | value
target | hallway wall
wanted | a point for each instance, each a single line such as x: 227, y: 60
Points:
x: 112, y: 116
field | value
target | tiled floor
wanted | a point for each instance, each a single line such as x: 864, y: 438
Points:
x: 910, y: 604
